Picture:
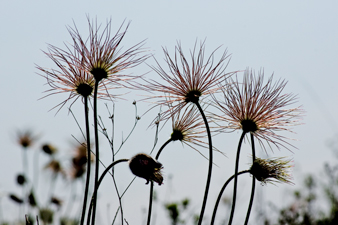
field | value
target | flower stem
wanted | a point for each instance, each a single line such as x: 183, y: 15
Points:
x: 221, y: 193
x: 98, y: 185
x: 108, y: 168
x: 210, y: 163
x: 96, y: 132
x: 236, y: 178
x: 152, y: 183
x: 25, y: 174
x: 162, y: 147
x: 36, y: 171
x: 253, y: 180
x: 88, y: 161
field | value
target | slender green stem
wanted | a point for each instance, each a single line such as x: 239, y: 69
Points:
x: 25, y: 173
x: 253, y: 180
x: 98, y: 185
x: 210, y: 163
x: 236, y: 178
x: 221, y: 193
x: 152, y: 183
x: 88, y: 162
x: 96, y: 132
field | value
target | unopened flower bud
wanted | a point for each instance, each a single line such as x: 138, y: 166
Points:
x: 143, y: 165
x: 21, y: 179
x: 49, y: 149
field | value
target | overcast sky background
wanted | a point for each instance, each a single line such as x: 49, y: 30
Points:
x: 295, y: 40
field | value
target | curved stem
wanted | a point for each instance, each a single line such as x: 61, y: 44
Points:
x: 221, y: 193
x: 236, y: 178
x: 98, y: 185
x: 253, y: 181
x: 210, y: 163
x: 162, y: 147
x: 108, y: 168
x: 88, y: 162
x: 152, y: 183
x: 96, y: 132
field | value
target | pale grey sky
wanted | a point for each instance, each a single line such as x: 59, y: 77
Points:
x: 295, y: 40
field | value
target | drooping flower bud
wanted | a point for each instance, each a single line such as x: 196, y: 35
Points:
x: 143, y: 165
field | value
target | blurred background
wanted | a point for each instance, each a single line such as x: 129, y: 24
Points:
x: 294, y: 40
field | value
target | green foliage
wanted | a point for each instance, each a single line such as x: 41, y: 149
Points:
x: 46, y: 216
x: 175, y: 209
x: 304, y: 209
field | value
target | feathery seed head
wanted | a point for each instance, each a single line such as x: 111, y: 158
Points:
x: 84, y: 89
x: 91, y: 60
x: 102, y: 55
x: 187, y: 80
x: 271, y: 170
x: 188, y: 126
x: 177, y: 135
x: 193, y: 96
x: 258, y: 108
x: 70, y: 77
x: 99, y: 73
x: 249, y: 125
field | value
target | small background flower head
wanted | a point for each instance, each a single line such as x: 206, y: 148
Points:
x: 26, y: 138
x: 21, y: 179
x: 49, y: 149
x: 55, y: 167
x: 56, y: 201
x: 143, y: 165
